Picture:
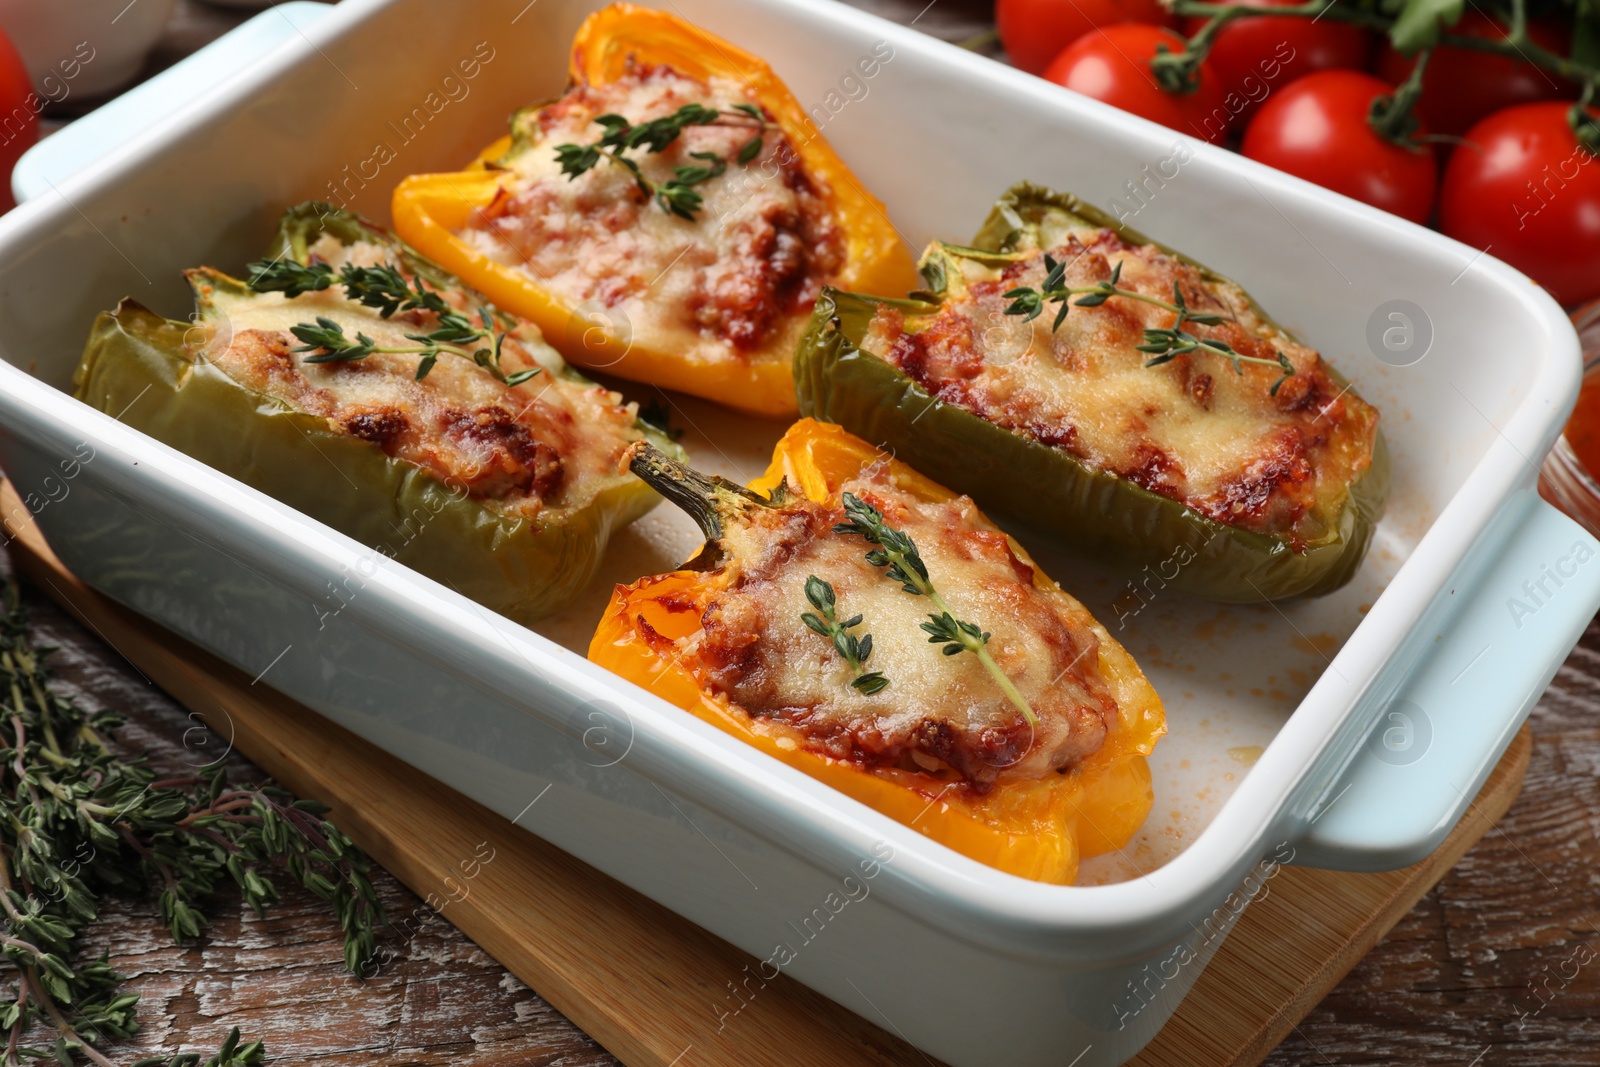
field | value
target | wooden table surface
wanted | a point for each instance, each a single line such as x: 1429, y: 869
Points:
x: 1498, y: 966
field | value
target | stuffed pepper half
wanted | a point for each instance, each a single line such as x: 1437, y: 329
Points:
x: 866, y: 625
x: 670, y: 219
x: 1121, y: 400
x: 355, y: 381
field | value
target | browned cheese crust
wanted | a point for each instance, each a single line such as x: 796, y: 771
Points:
x: 547, y: 442
x: 735, y: 278
x: 940, y: 714
x: 1192, y: 429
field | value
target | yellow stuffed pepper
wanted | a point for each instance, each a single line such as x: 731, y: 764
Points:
x: 670, y: 219
x: 864, y: 624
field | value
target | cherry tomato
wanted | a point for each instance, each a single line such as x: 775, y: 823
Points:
x: 1461, y: 86
x: 1317, y: 129
x: 1035, y: 31
x: 1523, y: 189
x: 19, y: 116
x: 1258, y: 55
x: 1113, y: 65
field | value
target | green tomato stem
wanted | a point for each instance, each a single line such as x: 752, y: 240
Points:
x: 1393, y: 117
x: 1517, y: 44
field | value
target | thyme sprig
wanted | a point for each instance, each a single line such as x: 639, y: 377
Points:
x: 387, y: 290
x: 676, y: 196
x: 898, y: 553
x: 855, y: 651
x: 78, y: 821
x: 232, y: 1054
x: 1163, y: 344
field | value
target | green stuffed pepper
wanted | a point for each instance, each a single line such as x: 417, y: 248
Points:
x: 1116, y: 398
x: 361, y: 384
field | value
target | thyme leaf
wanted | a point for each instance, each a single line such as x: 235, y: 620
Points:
x: 676, y: 196
x: 327, y: 339
x: 290, y: 277
x: 1163, y: 345
x: 388, y: 291
x: 854, y: 651
x: 897, y: 553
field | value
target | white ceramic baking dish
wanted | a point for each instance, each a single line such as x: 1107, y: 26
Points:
x: 1380, y: 709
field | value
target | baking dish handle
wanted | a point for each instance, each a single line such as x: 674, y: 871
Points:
x: 1454, y: 716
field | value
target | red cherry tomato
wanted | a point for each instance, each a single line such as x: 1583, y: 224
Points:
x: 1035, y: 31
x: 19, y: 116
x: 1113, y: 65
x: 1258, y: 55
x: 1461, y: 86
x: 1523, y: 189
x: 1317, y: 129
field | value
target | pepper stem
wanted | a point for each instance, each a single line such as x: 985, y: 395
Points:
x: 704, y: 499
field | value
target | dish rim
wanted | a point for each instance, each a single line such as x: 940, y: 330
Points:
x: 775, y: 802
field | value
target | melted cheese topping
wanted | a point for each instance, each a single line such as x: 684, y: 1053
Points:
x: 738, y: 280
x: 549, y: 442
x: 1191, y: 429
x: 944, y: 714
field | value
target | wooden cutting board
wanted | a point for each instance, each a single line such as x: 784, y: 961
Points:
x: 637, y: 977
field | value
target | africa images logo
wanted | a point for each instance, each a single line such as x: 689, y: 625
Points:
x: 1543, y: 588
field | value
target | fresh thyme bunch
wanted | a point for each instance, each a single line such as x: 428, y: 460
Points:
x: 80, y: 821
